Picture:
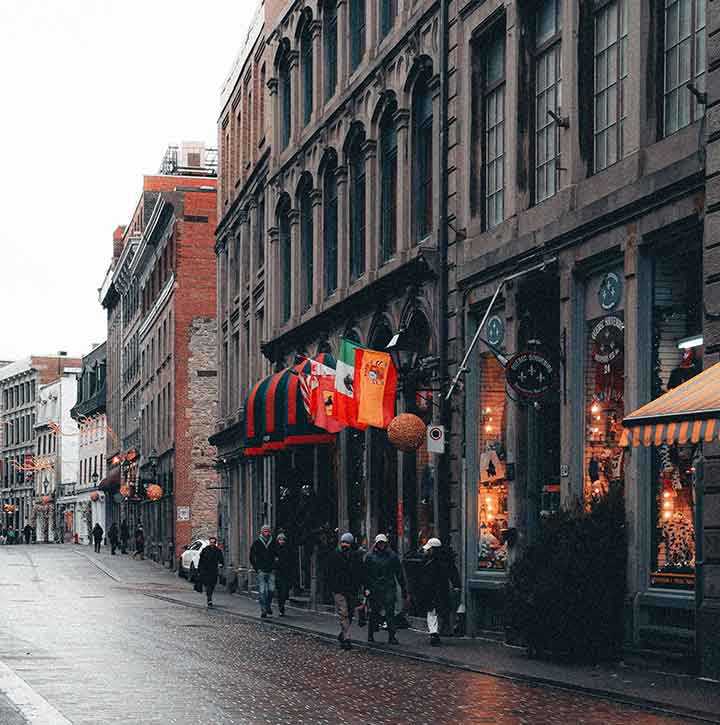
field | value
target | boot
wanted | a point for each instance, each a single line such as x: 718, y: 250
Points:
x: 371, y: 635
x: 435, y: 640
x: 392, y: 639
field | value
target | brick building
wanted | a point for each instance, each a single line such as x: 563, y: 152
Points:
x: 162, y: 384
x: 19, y: 385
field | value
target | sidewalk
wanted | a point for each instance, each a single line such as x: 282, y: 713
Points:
x: 678, y: 694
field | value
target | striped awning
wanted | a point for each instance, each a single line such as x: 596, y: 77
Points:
x: 275, y: 415
x: 688, y: 414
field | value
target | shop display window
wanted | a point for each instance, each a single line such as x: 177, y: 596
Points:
x: 677, y: 348
x: 492, y: 485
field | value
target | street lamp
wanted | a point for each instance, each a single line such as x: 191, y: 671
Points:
x: 94, y: 478
x: 46, y: 485
x: 153, y: 460
x: 404, y: 349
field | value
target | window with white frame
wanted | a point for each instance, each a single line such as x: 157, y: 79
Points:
x: 494, y: 131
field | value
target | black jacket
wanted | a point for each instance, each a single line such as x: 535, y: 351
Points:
x: 262, y: 556
x: 285, y: 561
x: 344, y: 572
x: 383, y: 571
x: 97, y: 531
x: 124, y: 532
x: 113, y: 533
x: 210, y: 559
x: 439, y: 573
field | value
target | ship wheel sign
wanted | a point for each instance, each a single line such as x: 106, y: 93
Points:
x: 530, y: 374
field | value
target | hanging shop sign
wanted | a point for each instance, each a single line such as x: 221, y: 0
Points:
x: 530, y: 374
x: 436, y: 439
x: 496, y: 331
x: 610, y: 291
x: 607, y: 338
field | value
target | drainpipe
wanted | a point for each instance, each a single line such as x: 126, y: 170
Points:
x: 445, y: 405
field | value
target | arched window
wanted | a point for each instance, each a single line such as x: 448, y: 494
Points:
x: 388, y: 186
x: 357, y: 32
x: 423, y: 159
x: 330, y: 41
x: 306, y: 55
x: 388, y: 11
x: 285, y: 103
x: 356, y: 158
x: 306, y: 243
x: 285, y: 246
x: 330, y: 228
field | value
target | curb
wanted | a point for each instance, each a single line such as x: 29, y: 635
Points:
x: 379, y: 649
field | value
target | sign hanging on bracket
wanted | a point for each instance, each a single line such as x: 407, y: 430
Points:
x: 436, y: 439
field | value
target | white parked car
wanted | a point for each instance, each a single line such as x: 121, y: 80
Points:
x: 189, y: 559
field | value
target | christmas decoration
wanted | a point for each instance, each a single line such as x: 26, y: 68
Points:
x: 94, y: 496
x: 154, y: 492
x: 407, y: 432
x: 46, y: 500
x: 125, y: 490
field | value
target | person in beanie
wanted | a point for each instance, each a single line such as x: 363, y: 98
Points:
x: 211, y: 560
x: 344, y: 571
x: 383, y: 574
x: 284, y: 570
x: 262, y: 558
x: 97, y: 534
x: 439, y: 574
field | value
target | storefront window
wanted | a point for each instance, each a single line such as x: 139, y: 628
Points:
x: 492, y: 487
x: 677, y: 348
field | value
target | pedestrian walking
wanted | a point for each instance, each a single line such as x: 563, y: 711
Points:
x: 211, y: 559
x: 383, y: 574
x: 344, y: 572
x: 139, y: 543
x: 113, y: 535
x: 27, y: 532
x: 124, y: 537
x: 285, y: 561
x: 11, y: 535
x: 3, y: 536
x: 262, y: 559
x: 439, y: 575
x: 97, y: 534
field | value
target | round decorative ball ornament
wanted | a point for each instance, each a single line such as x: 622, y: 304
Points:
x: 46, y: 500
x: 125, y: 490
x: 94, y: 496
x: 154, y: 492
x: 407, y: 432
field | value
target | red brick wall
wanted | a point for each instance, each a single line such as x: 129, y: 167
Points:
x: 196, y: 367
x: 51, y: 368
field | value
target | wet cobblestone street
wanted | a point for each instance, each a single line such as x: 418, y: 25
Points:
x: 100, y: 651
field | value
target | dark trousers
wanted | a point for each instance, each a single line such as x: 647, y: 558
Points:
x: 282, y: 589
x: 123, y: 546
x: 379, y: 602
x: 113, y: 546
x: 27, y: 537
x: 209, y: 589
x: 98, y: 542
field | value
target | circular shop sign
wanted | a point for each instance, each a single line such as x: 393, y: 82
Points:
x: 496, y: 331
x: 608, y: 337
x: 610, y: 292
x: 530, y: 374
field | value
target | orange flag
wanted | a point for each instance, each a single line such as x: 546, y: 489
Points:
x: 375, y: 385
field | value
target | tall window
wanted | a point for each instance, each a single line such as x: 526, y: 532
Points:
x: 611, y: 69
x: 388, y: 180
x: 330, y: 40
x: 494, y: 130
x: 306, y: 53
x: 357, y: 32
x: 388, y: 11
x: 306, y: 244
x: 260, y: 232
x: 286, y: 104
x: 357, y: 207
x: 548, y: 75
x: 423, y: 158
x: 285, y: 261
x: 330, y: 229
x: 684, y: 62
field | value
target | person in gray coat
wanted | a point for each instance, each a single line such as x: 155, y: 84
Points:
x: 383, y: 574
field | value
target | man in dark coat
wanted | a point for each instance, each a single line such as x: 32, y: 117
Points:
x: 383, y: 573
x: 344, y: 573
x: 262, y: 558
x: 285, y: 564
x: 211, y: 559
x: 113, y: 537
x: 124, y: 537
x: 27, y: 532
x: 139, y: 543
x: 439, y: 574
x: 97, y: 534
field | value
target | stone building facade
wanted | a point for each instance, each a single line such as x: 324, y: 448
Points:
x: 160, y: 298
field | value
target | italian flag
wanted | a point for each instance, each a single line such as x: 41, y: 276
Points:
x: 345, y: 405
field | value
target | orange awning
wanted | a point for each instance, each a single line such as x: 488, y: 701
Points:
x: 688, y: 414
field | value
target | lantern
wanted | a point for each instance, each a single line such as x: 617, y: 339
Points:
x: 154, y: 492
x: 407, y: 432
x: 125, y: 490
x: 94, y: 496
x: 46, y: 500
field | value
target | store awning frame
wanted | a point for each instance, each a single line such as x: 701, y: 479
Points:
x: 689, y: 413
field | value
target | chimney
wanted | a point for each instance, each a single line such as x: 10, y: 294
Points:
x: 118, y: 235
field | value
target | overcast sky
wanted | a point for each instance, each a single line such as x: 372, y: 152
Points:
x: 91, y: 94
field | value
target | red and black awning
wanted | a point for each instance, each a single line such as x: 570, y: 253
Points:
x: 275, y: 414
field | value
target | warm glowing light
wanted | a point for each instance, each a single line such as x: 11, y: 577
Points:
x: 488, y: 500
x: 490, y: 517
x: 666, y: 494
x: 667, y: 504
x: 595, y: 408
x: 667, y: 515
x: 488, y: 428
x: 488, y: 411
